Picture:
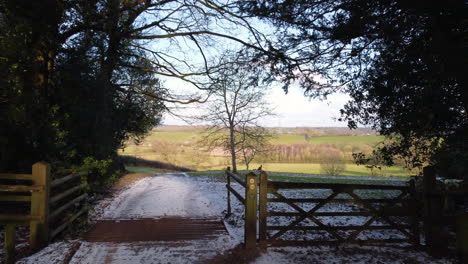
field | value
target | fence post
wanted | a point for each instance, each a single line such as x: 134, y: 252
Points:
x: 250, y: 235
x: 462, y: 237
x: 414, y: 209
x: 262, y: 207
x: 228, y: 184
x: 39, y: 229
x: 10, y: 243
x: 435, y: 242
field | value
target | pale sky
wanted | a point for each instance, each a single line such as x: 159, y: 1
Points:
x: 292, y: 109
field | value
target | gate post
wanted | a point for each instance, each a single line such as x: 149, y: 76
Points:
x: 414, y: 211
x: 462, y: 237
x: 250, y: 235
x: 228, y: 184
x: 10, y: 243
x: 434, y: 239
x: 262, y: 207
x: 39, y: 228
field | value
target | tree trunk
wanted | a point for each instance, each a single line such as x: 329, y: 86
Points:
x: 232, y: 147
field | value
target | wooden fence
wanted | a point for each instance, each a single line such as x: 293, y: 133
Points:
x: 402, y: 205
x: 396, y: 213
x: 399, y: 212
x: 249, y: 200
x: 438, y: 215
x: 36, y: 189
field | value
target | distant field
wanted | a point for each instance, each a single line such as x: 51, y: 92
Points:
x: 288, y: 139
x: 172, y: 136
x: 192, y: 136
x: 314, y: 168
x: 345, y: 140
x: 177, y: 145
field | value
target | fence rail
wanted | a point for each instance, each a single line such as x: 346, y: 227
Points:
x: 381, y: 209
x: 43, y: 208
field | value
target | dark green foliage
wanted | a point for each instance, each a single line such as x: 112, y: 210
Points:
x: 402, y: 62
x: 61, y: 98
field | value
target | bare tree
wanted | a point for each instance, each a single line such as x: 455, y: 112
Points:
x: 332, y: 163
x: 234, y: 112
x: 254, y: 140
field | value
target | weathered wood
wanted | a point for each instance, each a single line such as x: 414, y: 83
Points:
x: 336, y: 200
x: 302, y: 243
x: 18, y: 218
x: 64, y: 207
x: 238, y: 196
x: 11, y: 176
x: 263, y: 206
x: 335, y: 186
x: 21, y: 188
x: 307, y: 215
x: 462, y: 237
x: 388, y: 212
x: 59, y: 229
x: 250, y: 235
x: 39, y: 230
x: 344, y: 228
x: 413, y: 203
x: 15, y: 198
x: 236, y: 177
x: 433, y: 205
x: 228, y: 185
x: 10, y: 243
x: 62, y: 180
x: 60, y: 196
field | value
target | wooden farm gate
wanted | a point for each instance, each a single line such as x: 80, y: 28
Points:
x: 361, y: 208
x: 293, y: 213
x: 50, y: 205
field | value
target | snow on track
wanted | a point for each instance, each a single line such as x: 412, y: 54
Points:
x: 174, y: 194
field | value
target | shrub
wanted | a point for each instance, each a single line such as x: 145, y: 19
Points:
x: 332, y: 163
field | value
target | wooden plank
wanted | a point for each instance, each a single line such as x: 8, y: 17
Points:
x: 64, y: 207
x: 59, y: 229
x: 462, y: 237
x: 11, y: 176
x: 238, y: 196
x: 10, y: 243
x: 415, y: 209
x: 250, y: 226
x: 228, y: 184
x: 236, y: 177
x: 39, y: 230
x: 344, y: 228
x: 336, y: 200
x: 386, y: 213
x: 307, y: 215
x: 333, y: 186
x: 296, y: 243
x: 21, y: 188
x: 263, y: 206
x: 62, y: 180
x: 15, y: 198
x: 66, y: 193
x: 17, y: 218
x: 376, y: 214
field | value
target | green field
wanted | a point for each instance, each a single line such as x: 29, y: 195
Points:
x: 314, y: 168
x: 193, y: 136
x: 177, y: 145
x: 347, y: 140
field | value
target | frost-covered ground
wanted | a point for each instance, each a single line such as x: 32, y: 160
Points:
x: 181, y: 195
